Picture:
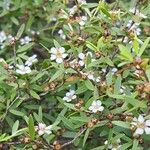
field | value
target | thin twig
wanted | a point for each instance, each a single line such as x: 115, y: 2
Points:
x: 70, y: 142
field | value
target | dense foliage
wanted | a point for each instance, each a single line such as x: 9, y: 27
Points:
x: 74, y: 75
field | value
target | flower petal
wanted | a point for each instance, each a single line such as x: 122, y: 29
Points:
x: 147, y: 122
x: 59, y: 60
x: 139, y: 131
x: 53, y: 57
x: 53, y: 50
x: 147, y: 130
x: 101, y: 108
x: 81, y: 56
x: 141, y: 119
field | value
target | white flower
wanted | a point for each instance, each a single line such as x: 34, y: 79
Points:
x: 122, y: 89
x: 82, y: 59
x: 114, y: 70
x: 25, y: 40
x: 23, y: 69
x: 134, y: 27
x: 10, y: 66
x: 58, y: 54
x: 31, y: 60
x: 137, y: 12
x: 141, y: 125
x: 91, y: 76
x: 53, y: 18
x: 82, y: 20
x: 98, y: 79
x: 70, y: 96
x: 73, y: 10
x: 10, y: 38
x: 33, y: 32
x: 42, y: 129
x: 3, y: 36
x: 6, y: 4
x: 114, y: 146
x: 104, y: 70
x: 96, y: 106
x: 81, y: 2
x: 62, y: 35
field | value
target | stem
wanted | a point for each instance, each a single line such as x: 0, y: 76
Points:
x: 78, y: 135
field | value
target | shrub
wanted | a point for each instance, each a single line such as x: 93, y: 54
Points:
x: 74, y: 75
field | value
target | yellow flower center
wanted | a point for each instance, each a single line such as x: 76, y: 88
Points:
x: 141, y: 125
x: 58, y: 54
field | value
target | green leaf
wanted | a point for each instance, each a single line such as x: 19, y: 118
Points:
x: 125, y: 146
x: 100, y: 42
x: 15, y: 127
x: 67, y: 122
x: 20, y: 31
x: 135, y: 144
x: 99, y: 148
x: 25, y: 47
x: 89, y: 85
x: 86, y: 136
x: 34, y: 94
x: 59, y: 73
x: 136, y: 46
x: 126, y: 54
x: 109, y: 78
x: 91, y: 46
x: 38, y: 76
x: 31, y: 128
x: 17, y: 113
x: 117, y: 85
x: 40, y: 113
x: 144, y: 45
x: 148, y: 72
x: 121, y: 124
x: 57, y: 44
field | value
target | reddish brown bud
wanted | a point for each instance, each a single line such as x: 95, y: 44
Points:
x: 110, y: 125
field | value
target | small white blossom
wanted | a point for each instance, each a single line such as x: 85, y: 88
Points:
x: 25, y: 40
x: 23, y: 69
x: 141, y: 125
x: 10, y: 38
x: 81, y: 2
x: 42, y: 129
x: 31, y: 60
x: 33, y: 32
x: 114, y: 146
x: 137, y: 13
x: 10, y: 66
x: 81, y: 20
x: 98, y: 79
x: 62, y: 35
x: 73, y: 10
x: 58, y: 54
x: 134, y: 27
x: 3, y: 37
x: 6, y: 4
x: 70, y: 96
x: 114, y: 70
x: 91, y: 76
x: 96, y: 106
x: 122, y: 89
x: 82, y: 59
x: 53, y: 18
